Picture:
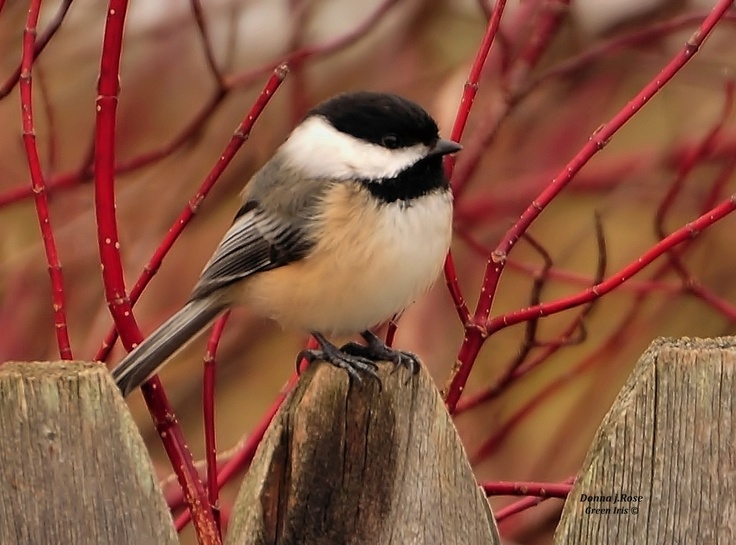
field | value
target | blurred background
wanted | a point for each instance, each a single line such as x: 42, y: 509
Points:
x: 555, y: 74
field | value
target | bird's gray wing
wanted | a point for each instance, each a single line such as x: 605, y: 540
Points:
x: 258, y: 240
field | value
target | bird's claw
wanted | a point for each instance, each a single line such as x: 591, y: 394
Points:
x: 376, y: 350
x: 356, y: 366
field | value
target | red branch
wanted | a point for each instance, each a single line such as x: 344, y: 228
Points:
x: 470, y: 90
x: 112, y: 272
x: 526, y: 503
x: 107, y: 229
x: 476, y: 335
x: 517, y: 488
x: 208, y: 408
x: 546, y: 25
x: 38, y: 183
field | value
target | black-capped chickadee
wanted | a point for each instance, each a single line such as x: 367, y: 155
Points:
x: 344, y: 227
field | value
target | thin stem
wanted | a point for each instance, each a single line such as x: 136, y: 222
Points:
x: 470, y: 90
x: 526, y: 503
x: 38, y: 184
x: 519, y: 488
x: 208, y: 408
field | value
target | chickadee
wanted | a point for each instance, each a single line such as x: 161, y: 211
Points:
x: 344, y: 227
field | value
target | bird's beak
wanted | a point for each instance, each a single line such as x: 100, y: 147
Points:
x: 444, y: 147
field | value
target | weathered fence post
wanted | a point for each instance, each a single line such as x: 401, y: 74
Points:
x: 662, y: 467
x: 73, y: 467
x: 360, y: 464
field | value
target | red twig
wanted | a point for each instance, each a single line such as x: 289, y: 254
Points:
x: 547, y: 22
x: 626, y: 324
x: 112, y: 271
x: 185, y: 216
x: 470, y: 90
x: 602, y: 353
x: 38, y: 183
x: 574, y: 333
x: 107, y: 230
x: 526, y: 503
x: 453, y: 286
x: 518, y: 488
x: 542, y: 33
x: 476, y: 336
x: 168, y: 429
x: 208, y: 408
x: 469, y: 402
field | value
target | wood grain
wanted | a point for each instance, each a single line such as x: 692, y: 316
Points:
x: 353, y: 463
x: 670, y: 439
x: 73, y: 467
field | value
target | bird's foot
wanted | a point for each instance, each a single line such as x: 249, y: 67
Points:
x: 356, y: 365
x: 377, y: 350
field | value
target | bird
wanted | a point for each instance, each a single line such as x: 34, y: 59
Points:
x: 345, y: 226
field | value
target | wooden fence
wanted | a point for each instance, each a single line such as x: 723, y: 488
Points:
x: 364, y: 465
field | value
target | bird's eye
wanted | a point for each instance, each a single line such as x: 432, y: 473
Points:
x: 390, y: 141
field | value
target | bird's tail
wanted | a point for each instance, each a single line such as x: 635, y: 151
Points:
x: 173, y: 334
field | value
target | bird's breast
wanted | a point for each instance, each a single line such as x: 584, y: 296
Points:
x: 371, y: 261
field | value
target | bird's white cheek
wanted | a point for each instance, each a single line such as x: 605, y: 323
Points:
x: 316, y: 149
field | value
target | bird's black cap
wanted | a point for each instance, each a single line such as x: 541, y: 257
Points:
x: 381, y: 118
